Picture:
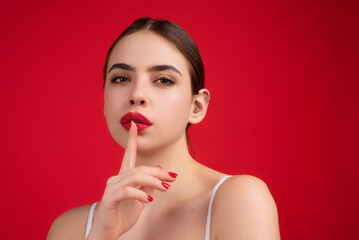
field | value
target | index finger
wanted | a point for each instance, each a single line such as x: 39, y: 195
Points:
x: 129, y: 158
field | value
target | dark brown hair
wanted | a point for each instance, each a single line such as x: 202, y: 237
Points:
x: 175, y: 35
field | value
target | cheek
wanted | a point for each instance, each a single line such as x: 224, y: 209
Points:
x: 176, y: 109
x: 111, y: 109
x: 112, y: 112
x: 108, y: 106
x: 112, y: 101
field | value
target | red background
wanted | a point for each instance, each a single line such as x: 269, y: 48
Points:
x: 284, y: 82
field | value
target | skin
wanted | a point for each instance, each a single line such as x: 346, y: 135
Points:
x: 243, y: 207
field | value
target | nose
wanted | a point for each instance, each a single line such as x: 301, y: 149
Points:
x: 139, y: 95
x: 137, y: 102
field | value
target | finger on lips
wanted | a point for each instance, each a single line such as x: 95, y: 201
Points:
x: 129, y: 158
x: 147, y: 178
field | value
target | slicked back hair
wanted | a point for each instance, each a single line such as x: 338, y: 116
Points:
x: 179, y: 38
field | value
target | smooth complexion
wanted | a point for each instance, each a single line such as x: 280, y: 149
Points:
x: 243, y: 207
x: 168, y: 105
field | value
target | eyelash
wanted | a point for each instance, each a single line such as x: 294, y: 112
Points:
x: 165, y: 81
x: 114, y: 79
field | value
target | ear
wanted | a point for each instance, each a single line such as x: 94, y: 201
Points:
x: 199, y: 106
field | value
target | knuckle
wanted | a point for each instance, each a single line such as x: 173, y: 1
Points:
x: 136, y: 176
x: 159, y: 183
x: 141, y: 168
x: 126, y: 191
x: 110, y: 180
x: 160, y: 172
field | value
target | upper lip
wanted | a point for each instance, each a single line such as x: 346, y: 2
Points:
x: 136, y: 117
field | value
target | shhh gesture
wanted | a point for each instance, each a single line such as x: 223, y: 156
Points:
x: 127, y: 194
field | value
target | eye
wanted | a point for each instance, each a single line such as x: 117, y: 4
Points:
x: 119, y: 79
x: 165, y: 81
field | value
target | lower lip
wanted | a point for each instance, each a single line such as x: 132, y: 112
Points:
x: 140, y: 126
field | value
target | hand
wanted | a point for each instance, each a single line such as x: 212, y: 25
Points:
x: 127, y: 194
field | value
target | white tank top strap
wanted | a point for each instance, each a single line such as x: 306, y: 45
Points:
x: 208, y: 222
x: 89, y: 220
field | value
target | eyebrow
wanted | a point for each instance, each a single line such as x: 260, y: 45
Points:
x: 123, y: 66
x: 156, y: 68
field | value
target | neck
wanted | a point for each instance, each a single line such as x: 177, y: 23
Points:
x: 173, y: 157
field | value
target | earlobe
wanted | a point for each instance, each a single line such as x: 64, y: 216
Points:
x: 199, y: 106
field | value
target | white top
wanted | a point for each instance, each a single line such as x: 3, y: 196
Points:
x: 208, y: 222
x: 89, y: 220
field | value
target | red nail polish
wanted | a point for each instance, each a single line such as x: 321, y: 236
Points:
x: 167, y: 186
x: 172, y: 174
x: 149, y: 198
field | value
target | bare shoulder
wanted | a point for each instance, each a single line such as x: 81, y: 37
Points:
x: 243, y: 186
x: 70, y: 224
x: 245, y: 209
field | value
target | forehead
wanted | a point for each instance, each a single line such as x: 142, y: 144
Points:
x: 143, y: 49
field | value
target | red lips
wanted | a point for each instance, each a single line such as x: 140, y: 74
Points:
x: 141, y: 121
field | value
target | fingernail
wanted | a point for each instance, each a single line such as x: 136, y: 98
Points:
x: 159, y: 166
x: 167, y: 186
x: 149, y: 198
x: 172, y: 174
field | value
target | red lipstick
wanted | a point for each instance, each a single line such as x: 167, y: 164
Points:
x: 141, y: 121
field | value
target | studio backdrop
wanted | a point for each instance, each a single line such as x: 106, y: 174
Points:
x: 284, y: 105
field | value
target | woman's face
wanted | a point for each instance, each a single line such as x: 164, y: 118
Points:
x: 146, y: 74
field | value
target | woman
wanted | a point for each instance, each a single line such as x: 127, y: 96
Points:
x: 153, y: 91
